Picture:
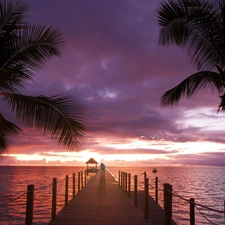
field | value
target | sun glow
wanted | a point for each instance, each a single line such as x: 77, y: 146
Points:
x: 128, y: 150
x: 28, y: 157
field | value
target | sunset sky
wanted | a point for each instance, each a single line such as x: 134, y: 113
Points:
x: 113, y: 66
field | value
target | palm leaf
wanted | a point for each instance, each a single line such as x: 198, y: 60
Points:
x: 12, y: 19
x: 206, y: 39
x: 25, y: 47
x: 35, y: 45
x: 196, y: 25
x: 172, y: 21
x: 191, y: 85
x: 28, y: 51
x: 60, y: 116
x: 13, y: 79
x: 12, y: 15
x: 7, y: 130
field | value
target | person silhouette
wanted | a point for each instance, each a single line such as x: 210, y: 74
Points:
x: 102, y: 166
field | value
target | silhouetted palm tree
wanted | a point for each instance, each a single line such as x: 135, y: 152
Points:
x: 24, y: 47
x: 199, y: 26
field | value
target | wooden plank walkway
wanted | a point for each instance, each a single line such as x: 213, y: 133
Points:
x: 103, y: 202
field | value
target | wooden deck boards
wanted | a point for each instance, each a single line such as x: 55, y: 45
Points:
x: 103, y: 202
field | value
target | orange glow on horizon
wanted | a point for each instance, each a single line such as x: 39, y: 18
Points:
x: 133, y: 150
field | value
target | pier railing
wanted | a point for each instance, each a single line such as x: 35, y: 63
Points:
x: 163, y: 193
x: 135, y: 183
x: 78, y: 181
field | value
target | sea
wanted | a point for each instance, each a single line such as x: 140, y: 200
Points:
x: 206, y: 184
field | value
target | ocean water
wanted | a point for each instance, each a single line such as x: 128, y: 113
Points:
x: 206, y: 184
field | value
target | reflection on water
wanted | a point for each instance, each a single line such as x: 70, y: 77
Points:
x: 205, y: 184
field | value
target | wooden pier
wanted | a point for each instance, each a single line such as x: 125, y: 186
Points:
x: 103, y: 202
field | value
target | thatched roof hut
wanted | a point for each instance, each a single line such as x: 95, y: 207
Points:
x: 92, y: 166
x: 91, y: 161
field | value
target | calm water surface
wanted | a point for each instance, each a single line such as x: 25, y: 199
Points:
x: 205, y: 184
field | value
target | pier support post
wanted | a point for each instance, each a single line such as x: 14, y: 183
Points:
x: 156, y: 189
x: 146, y: 199
x: 30, y: 204
x: 66, y: 189
x: 123, y: 180
x: 192, y: 211
x: 82, y: 180
x: 74, y: 185
x: 145, y: 176
x: 119, y: 178
x: 54, y: 190
x: 135, y: 189
x: 129, y: 179
x: 78, y: 181
x: 167, y: 189
x: 125, y: 183
x: 85, y: 178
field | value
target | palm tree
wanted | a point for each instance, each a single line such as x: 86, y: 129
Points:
x: 199, y: 26
x: 24, y: 47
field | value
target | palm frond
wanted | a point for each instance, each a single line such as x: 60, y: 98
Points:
x: 36, y: 45
x: 12, y: 15
x: 12, y: 19
x: 14, y: 78
x: 206, y: 38
x: 24, y: 47
x: 197, y: 25
x: 191, y: 85
x: 172, y: 22
x: 7, y: 131
x: 31, y: 48
x: 62, y: 117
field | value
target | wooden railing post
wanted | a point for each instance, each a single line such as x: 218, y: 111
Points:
x: 54, y: 190
x: 74, y: 185
x: 78, y: 181
x: 85, y: 178
x: 146, y: 199
x: 119, y: 178
x: 121, y: 185
x: 144, y: 177
x: 135, y: 189
x: 167, y: 189
x: 129, y: 185
x: 192, y: 211
x: 156, y: 189
x: 125, y: 183
x: 30, y: 204
x: 82, y: 183
x: 66, y: 189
